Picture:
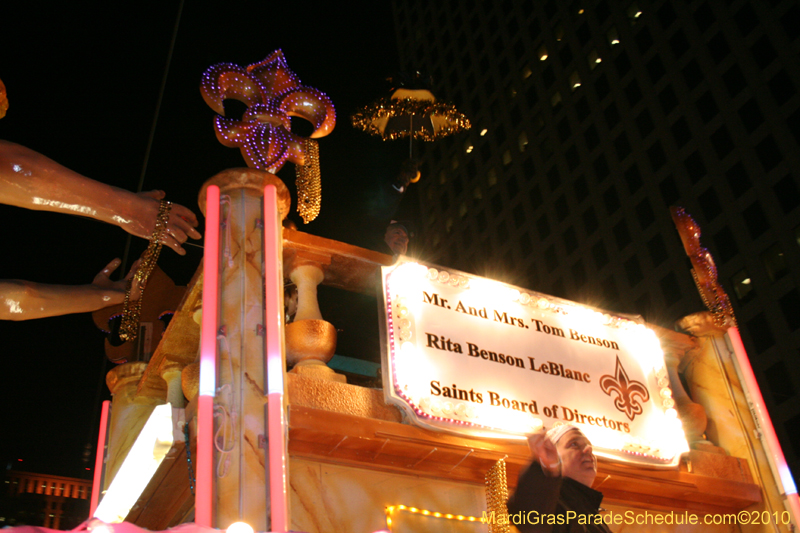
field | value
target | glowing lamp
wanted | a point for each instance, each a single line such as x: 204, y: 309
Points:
x: 240, y: 527
x: 144, y: 458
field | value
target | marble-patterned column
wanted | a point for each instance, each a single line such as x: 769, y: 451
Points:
x: 241, y: 492
x: 129, y: 412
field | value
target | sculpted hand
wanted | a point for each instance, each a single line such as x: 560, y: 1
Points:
x: 181, y: 225
x: 103, y: 281
x: 546, y: 453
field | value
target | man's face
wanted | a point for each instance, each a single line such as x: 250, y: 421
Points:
x: 577, y: 458
x: 397, y: 239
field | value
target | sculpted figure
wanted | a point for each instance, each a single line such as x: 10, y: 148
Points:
x: 32, y: 181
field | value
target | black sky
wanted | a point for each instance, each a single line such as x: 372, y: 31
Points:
x: 83, y: 80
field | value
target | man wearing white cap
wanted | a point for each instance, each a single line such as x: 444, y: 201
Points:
x: 554, y: 494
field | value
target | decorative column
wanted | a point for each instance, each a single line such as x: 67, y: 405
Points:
x: 310, y: 340
x: 239, y: 480
x: 129, y: 412
x: 692, y: 415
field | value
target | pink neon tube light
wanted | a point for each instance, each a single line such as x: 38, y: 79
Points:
x: 276, y: 415
x: 764, y: 420
x: 208, y: 364
x: 100, y: 456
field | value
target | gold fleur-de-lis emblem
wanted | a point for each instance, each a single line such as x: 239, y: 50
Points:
x: 627, y: 391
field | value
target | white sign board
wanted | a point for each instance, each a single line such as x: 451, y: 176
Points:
x: 479, y: 357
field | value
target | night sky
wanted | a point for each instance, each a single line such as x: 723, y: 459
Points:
x: 83, y: 85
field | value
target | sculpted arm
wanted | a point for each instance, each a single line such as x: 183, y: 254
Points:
x: 32, y: 181
x: 26, y: 300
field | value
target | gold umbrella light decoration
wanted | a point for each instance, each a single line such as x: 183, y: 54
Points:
x: 273, y: 94
x: 410, y: 112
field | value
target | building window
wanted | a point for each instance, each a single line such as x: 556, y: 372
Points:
x: 623, y: 64
x: 725, y: 244
x: 657, y: 250
x: 579, y: 274
x: 613, y: 36
x: 590, y: 222
x: 581, y: 188
x: 594, y: 59
x: 507, y: 157
x: 681, y: 132
x: 692, y: 74
x: 543, y: 225
x: 779, y: 382
x: 679, y: 44
x: 670, y: 289
x: 523, y: 141
x: 633, y: 178
x: 526, y: 72
x: 709, y: 203
x: 790, y: 303
x: 738, y: 180
x: 634, y: 271
x: 707, y: 107
x: 656, y: 156
x: 787, y: 194
x: 775, y: 263
x: 645, y: 123
x: 634, y: 13
x: 666, y: 15
x: 645, y: 214
x: 622, y: 146
x: 591, y: 137
x: 669, y: 190
x: 755, y: 220
x: 574, y: 80
x: 600, y: 254
x: 746, y: 19
x: 633, y: 93
x: 600, y: 165
x: 612, y: 115
x: 761, y: 333
x: 519, y: 216
x: 622, y: 235
x: 719, y: 48
x: 704, y: 17
x: 750, y: 115
x: 562, y: 209
x: 768, y: 153
x: 668, y: 100
x: 722, y: 142
x: 550, y: 258
x: 734, y: 80
x: 611, y: 200
x: 491, y: 177
x: 555, y: 100
x: 601, y: 87
x: 695, y: 167
x: 570, y: 240
x: 541, y: 53
x: 655, y: 69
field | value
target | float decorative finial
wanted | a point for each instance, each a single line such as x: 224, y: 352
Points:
x: 704, y: 271
x: 273, y: 94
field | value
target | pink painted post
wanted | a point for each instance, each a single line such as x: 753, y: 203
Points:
x: 204, y: 498
x: 276, y: 414
x: 97, y: 482
x: 763, y: 419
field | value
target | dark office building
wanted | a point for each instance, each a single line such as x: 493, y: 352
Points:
x: 591, y: 119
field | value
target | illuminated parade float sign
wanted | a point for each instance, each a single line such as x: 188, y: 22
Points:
x: 478, y: 357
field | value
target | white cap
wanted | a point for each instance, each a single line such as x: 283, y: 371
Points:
x: 557, y: 431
